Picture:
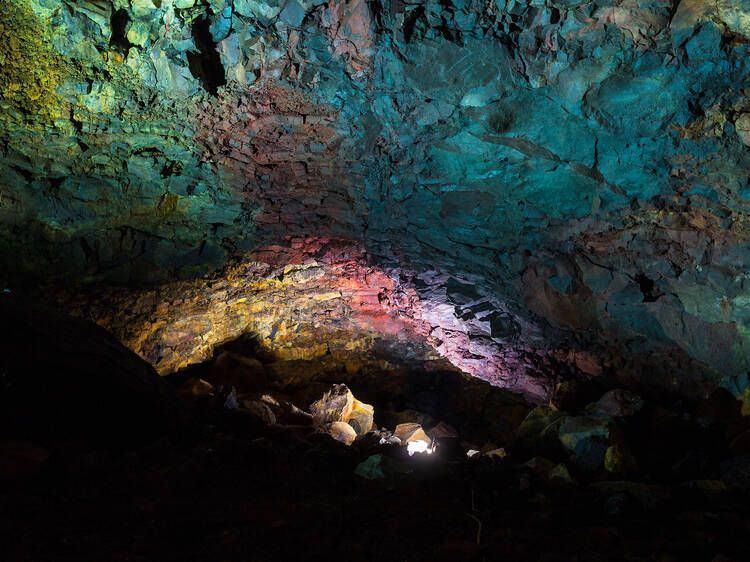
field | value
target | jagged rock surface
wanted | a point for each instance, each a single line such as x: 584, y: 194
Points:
x: 549, y: 177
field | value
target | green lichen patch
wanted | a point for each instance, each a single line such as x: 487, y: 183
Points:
x: 30, y: 67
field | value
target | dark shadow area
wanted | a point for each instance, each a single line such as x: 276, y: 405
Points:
x: 592, y: 477
x: 205, y: 65
x: 120, y: 21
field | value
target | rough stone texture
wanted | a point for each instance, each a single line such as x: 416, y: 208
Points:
x: 361, y: 417
x: 409, y: 432
x: 342, y: 431
x: 335, y: 406
x: 561, y: 185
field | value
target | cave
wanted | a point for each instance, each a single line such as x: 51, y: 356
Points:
x: 360, y: 279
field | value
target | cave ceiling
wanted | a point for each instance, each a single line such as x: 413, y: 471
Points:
x: 529, y: 186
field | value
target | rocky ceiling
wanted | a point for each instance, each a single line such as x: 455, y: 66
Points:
x: 536, y: 189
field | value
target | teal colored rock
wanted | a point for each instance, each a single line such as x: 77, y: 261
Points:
x: 544, y: 154
x: 371, y: 468
x: 586, y: 438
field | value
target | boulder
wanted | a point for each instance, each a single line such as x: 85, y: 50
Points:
x: 408, y: 432
x: 243, y: 373
x: 413, y: 437
x: 194, y: 388
x: 443, y: 431
x: 617, y: 403
x: 338, y: 404
x: 573, y: 395
x: 560, y: 475
x: 503, y: 413
x: 282, y: 411
x: 335, y: 405
x: 740, y: 444
x: 539, y: 430
x: 68, y: 380
x: 361, y: 417
x: 618, y: 460
x: 742, y: 126
x: 649, y: 496
x: 260, y: 411
x: 371, y: 468
x: 394, y: 418
x: 586, y: 439
x: 736, y: 471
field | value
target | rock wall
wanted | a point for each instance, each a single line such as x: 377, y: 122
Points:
x: 558, y: 175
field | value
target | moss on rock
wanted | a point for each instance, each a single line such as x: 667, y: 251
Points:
x: 30, y: 67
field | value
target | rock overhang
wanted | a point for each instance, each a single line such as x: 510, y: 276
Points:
x: 561, y: 159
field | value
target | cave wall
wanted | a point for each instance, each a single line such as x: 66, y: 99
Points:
x: 546, y: 175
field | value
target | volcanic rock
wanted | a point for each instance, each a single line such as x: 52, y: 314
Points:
x: 586, y: 439
x: 409, y: 432
x: 361, y: 417
x: 245, y: 374
x: 335, y: 406
x: 617, y: 403
x: 342, y: 431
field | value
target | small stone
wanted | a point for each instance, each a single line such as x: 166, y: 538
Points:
x: 498, y: 453
x: 342, y: 431
x: 231, y: 402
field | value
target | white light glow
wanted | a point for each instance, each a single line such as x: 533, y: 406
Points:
x: 418, y: 446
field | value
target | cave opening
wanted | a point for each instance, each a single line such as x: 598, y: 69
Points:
x: 119, y: 22
x: 205, y: 64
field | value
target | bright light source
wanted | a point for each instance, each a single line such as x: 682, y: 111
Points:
x: 418, y: 446
x: 471, y: 452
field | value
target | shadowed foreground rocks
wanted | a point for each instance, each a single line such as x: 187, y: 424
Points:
x: 613, y: 477
x: 64, y: 379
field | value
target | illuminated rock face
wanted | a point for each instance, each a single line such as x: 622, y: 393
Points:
x: 532, y: 190
x: 314, y: 298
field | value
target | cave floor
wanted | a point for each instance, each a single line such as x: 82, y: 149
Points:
x: 239, y: 490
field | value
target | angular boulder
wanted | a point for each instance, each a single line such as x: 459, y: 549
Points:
x: 586, y: 438
x: 243, y: 373
x: 410, y: 432
x: 618, y: 403
x: 361, y: 417
x: 338, y: 405
x: 335, y: 405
